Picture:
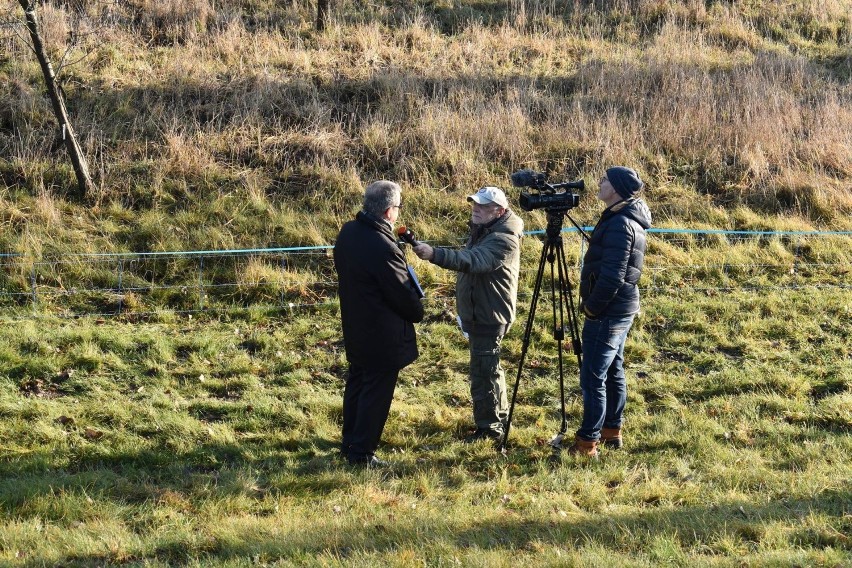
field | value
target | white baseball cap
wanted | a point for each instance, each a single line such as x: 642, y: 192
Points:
x: 490, y: 194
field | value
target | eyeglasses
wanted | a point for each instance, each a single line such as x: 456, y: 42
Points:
x: 398, y: 206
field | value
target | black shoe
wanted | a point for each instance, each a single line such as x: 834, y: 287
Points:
x: 369, y: 461
x: 484, y: 434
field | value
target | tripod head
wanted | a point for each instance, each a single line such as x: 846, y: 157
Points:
x: 555, y: 218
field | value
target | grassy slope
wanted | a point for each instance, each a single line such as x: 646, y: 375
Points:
x: 131, y: 443
x: 211, y: 441
x: 237, y: 136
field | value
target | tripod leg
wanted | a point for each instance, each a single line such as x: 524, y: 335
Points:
x: 559, y: 336
x: 568, y: 299
x: 565, y: 299
x: 545, y: 251
x: 561, y: 295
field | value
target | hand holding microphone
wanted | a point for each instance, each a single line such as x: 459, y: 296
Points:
x: 406, y: 235
x: 422, y: 250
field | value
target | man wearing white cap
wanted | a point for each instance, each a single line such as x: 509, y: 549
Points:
x: 486, y: 297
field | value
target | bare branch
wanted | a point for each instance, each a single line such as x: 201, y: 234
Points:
x: 78, y: 159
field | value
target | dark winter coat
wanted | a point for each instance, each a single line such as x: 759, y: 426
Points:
x: 613, y: 263
x: 488, y: 268
x: 378, y: 304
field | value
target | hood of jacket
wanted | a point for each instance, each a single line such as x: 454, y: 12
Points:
x: 635, y: 209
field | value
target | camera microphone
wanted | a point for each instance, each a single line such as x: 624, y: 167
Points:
x: 406, y: 235
x: 524, y: 178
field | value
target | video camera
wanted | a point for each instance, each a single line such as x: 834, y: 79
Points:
x: 549, y: 196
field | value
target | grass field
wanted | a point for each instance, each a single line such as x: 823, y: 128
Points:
x: 162, y: 411
x: 211, y: 440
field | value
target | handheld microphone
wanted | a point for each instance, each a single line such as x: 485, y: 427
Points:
x: 406, y: 235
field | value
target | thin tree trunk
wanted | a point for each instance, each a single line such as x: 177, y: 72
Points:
x: 322, y: 14
x: 78, y: 160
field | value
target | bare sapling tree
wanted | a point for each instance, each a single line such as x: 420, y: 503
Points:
x: 78, y: 159
x: 322, y: 14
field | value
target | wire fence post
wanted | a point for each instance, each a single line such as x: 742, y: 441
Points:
x: 120, y: 295
x: 33, y: 287
x: 283, y: 269
x: 200, y: 283
x: 796, y: 261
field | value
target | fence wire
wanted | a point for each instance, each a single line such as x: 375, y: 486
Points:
x: 105, y: 285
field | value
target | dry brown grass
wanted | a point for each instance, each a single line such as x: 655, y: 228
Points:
x: 186, y: 102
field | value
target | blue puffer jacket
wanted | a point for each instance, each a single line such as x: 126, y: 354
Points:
x: 613, y: 263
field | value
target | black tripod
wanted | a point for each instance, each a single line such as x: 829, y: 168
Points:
x: 552, y: 253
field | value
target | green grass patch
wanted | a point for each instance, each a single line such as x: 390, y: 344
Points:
x: 737, y: 445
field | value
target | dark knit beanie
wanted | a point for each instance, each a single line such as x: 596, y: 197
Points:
x: 625, y: 181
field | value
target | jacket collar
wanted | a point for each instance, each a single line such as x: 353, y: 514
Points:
x: 381, y: 225
x: 478, y: 231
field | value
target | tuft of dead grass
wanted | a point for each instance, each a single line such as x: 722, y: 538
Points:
x: 183, y: 103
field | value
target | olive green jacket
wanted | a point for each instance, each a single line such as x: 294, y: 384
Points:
x: 487, y: 280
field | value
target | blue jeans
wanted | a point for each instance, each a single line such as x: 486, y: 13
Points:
x: 602, y: 374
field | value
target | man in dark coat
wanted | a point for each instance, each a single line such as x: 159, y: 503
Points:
x: 378, y: 307
x: 610, y: 300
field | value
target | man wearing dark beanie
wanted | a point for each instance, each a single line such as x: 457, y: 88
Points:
x: 609, y: 295
x: 625, y: 181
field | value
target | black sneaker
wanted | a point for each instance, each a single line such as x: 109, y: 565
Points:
x: 369, y: 461
x: 484, y: 434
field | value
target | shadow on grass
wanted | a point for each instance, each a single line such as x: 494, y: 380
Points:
x: 312, y: 466
x: 135, y: 477
x: 695, y: 527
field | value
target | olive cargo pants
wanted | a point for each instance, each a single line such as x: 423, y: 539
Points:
x: 487, y: 383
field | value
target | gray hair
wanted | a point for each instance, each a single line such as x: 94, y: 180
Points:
x: 380, y: 196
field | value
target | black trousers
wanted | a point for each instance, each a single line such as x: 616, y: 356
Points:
x: 366, y: 404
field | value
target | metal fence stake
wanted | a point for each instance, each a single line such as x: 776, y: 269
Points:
x: 33, y: 288
x: 120, y: 296
x: 200, y: 283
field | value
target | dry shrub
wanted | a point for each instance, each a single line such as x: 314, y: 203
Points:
x: 45, y: 211
x: 816, y: 20
x: 22, y: 107
x: 260, y: 100
x: 731, y: 29
x: 828, y: 148
x: 733, y: 126
x: 62, y: 25
x: 188, y: 157
x: 168, y: 22
x: 380, y: 141
x: 229, y: 44
x: 314, y: 146
x: 54, y: 26
x: 821, y: 198
x: 261, y: 279
x: 486, y: 129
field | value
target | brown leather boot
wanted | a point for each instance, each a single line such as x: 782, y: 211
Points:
x: 611, y: 437
x: 583, y: 447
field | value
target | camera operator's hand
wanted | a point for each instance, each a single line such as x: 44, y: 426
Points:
x: 424, y: 251
x: 587, y: 313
